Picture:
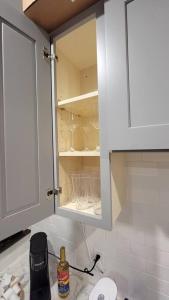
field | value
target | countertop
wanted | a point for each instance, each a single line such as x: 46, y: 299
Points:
x: 78, y: 290
x: 15, y: 261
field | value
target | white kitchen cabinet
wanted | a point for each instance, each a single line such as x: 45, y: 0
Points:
x: 137, y: 46
x: 82, y: 157
x: 53, y: 133
x: 97, y: 84
x: 26, y: 161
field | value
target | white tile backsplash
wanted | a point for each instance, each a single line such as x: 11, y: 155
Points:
x: 136, y: 251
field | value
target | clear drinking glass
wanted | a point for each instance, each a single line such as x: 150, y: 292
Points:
x: 82, y: 202
x: 72, y: 122
x: 63, y: 134
x: 97, y: 196
x: 89, y: 135
x: 85, y: 190
x: 63, y: 140
x: 95, y: 123
x: 75, y: 179
x: 80, y: 190
x: 98, y: 209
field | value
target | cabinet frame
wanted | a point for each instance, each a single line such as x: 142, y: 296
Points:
x: 105, y: 220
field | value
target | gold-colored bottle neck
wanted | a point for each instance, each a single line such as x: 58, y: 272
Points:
x: 62, y: 254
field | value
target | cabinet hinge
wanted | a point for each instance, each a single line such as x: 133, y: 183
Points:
x: 48, y: 55
x: 54, y: 192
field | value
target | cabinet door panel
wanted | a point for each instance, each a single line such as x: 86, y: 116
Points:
x: 26, y: 164
x: 148, y: 62
x: 138, y: 72
x: 20, y: 120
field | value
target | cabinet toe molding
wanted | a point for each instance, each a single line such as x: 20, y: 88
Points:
x: 53, y: 13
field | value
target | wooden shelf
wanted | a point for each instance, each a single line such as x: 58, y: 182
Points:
x: 79, y: 98
x: 80, y: 153
x: 72, y: 206
x: 85, y: 105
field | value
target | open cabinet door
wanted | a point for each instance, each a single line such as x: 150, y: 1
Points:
x: 26, y: 163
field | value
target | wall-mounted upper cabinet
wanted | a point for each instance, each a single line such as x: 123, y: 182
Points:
x: 53, y: 13
x: 82, y: 160
x: 53, y: 124
x: 137, y: 43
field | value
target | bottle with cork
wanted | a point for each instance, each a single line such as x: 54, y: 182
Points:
x: 63, y: 275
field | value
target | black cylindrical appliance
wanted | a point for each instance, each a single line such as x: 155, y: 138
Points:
x: 39, y: 272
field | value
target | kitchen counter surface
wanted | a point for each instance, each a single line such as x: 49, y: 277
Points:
x: 15, y: 261
x: 78, y: 290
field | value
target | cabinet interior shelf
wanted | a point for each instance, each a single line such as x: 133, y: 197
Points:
x: 80, y: 153
x: 85, y: 105
x: 89, y: 211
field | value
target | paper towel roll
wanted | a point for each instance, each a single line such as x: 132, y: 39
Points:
x: 105, y: 289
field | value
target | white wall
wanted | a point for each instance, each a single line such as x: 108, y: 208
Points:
x: 136, y: 251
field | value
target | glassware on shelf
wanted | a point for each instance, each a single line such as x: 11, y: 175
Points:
x: 63, y: 140
x: 80, y: 191
x: 95, y: 190
x: 85, y: 191
x: 89, y: 132
x: 95, y: 123
x: 98, y: 209
x: 63, y: 134
x: 72, y: 123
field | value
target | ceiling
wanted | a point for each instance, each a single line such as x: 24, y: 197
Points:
x: 79, y: 46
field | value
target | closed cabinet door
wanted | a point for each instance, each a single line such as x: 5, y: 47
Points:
x: 26, y: 164
x: 137, y: 41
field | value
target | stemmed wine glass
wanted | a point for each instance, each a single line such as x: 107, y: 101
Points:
x: 72, y: 123
x: 80, y: 190
x: 89, y: 134
x: 95, y: 123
